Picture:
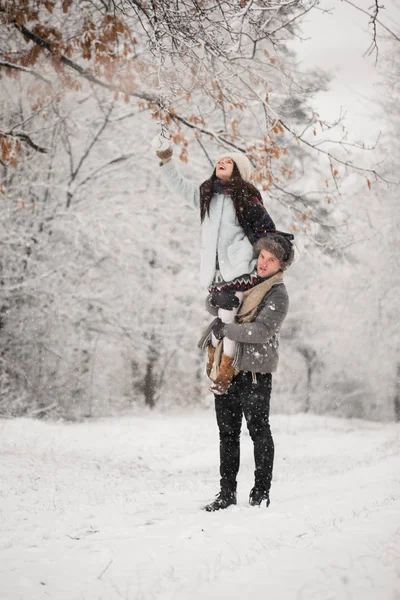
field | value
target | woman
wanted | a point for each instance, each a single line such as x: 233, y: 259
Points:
x: 255, y: 331
x: 233, y: 218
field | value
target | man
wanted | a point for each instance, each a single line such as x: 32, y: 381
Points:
x: 256, y: 330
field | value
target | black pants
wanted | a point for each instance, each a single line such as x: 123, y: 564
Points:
x: 245, y: 397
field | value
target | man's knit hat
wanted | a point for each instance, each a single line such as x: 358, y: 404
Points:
x: 278, y: 245
x: 241, y: 161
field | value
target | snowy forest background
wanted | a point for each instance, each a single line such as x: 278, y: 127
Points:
x: 100, y: 304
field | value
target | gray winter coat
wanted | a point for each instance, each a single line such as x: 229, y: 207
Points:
x: 258, y: 341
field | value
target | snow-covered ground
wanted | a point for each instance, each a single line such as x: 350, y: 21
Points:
x: 111, y: 509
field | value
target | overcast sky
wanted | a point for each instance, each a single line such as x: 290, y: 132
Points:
x: 338, y: 42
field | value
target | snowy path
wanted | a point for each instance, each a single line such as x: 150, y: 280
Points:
x: 111, y: 509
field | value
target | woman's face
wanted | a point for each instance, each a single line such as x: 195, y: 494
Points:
x: 267, y: 264
x: 224, y: 168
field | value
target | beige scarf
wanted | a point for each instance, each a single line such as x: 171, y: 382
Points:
x: 253, y: 297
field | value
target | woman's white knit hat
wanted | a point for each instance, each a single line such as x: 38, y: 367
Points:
x: 241, y: 161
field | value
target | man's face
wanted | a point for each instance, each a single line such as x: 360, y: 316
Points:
x: 224, y: 168
x: 267, y: 264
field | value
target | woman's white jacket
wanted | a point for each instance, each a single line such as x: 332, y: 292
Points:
x: 222, y: 236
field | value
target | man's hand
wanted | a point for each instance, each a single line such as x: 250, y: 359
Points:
x: 226, y: 300
x: 219, y: 329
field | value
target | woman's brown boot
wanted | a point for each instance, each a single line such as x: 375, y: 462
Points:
x: 225, y: 375
x: 210, y: 359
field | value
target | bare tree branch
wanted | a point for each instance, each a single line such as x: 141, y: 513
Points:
x: 75, y: 66
x: 333, y: 158
x: 101, y: 169
x: 8, y: 65
x: 375, y: 8
x: 24, y: 137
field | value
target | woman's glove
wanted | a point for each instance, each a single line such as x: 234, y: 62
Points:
x: 164, y: 154
x: 226, y: 300
x: 219, y: 329
x: 162, y: 146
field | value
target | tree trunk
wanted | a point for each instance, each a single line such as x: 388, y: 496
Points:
x: 397, y: 396
x: 149, y: 386
x: 310, y: 356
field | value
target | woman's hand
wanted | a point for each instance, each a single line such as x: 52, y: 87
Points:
x: 162, y: 146
x: 165, y: 155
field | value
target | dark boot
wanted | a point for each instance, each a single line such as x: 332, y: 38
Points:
x: 258, y: 496
x: 222, y: 500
